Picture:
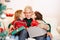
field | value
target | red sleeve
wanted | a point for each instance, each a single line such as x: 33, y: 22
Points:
x: 20, y: 24
x: 34, y: 23
x: 25, y: 24
x: 13, y: 22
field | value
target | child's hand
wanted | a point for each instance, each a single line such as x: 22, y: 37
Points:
x: 11, y: 29
x: 43, y: 26
x: 49, y: 34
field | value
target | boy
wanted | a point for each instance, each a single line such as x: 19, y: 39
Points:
x: 28, y: 13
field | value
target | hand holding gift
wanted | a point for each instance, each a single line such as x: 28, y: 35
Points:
x: 43, y: 25
x: 18, y: 26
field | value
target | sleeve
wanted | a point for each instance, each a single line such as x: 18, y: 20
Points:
x: 11, y: 24
x: 22, y: 23
x: 49, y: 26
x: 34, y: 23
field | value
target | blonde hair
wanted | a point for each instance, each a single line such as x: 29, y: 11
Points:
x: 17, y: 14
x: 28, y: 7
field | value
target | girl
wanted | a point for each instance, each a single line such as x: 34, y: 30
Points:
x: 17, y: 23
x: 38, y: 16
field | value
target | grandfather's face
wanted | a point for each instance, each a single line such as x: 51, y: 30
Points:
x: 28, y: 13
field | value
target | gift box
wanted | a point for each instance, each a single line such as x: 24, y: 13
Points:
x: 17, y: 30
x: 36, y: 31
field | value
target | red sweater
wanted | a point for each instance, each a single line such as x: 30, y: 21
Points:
x: 18, y: 24
x: 34, y: 23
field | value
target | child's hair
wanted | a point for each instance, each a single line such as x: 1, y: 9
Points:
x: 28, y: 7
x: 17, y: 14
x: 38, y: 15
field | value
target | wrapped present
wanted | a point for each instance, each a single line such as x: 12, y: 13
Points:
x: 36, y: 31
x: 17, y: 30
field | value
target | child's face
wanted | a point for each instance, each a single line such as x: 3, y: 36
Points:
x: 33, y: 16
x: 21, y: 16
x: 28, y: 13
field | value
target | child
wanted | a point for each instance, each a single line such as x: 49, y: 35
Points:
x: 17, y: 23
x: 30, y: 22
x: 39, y: 17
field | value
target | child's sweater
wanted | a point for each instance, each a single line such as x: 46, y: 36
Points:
x: 19, y: 23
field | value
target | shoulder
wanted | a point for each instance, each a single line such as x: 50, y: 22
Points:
x: 40, y: 21
x: 13, y: 22
x: 25, y: 19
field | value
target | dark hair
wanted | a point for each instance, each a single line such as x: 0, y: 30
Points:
x: 38, y: 15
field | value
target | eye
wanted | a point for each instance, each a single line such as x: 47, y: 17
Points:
x: 30, y: 12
